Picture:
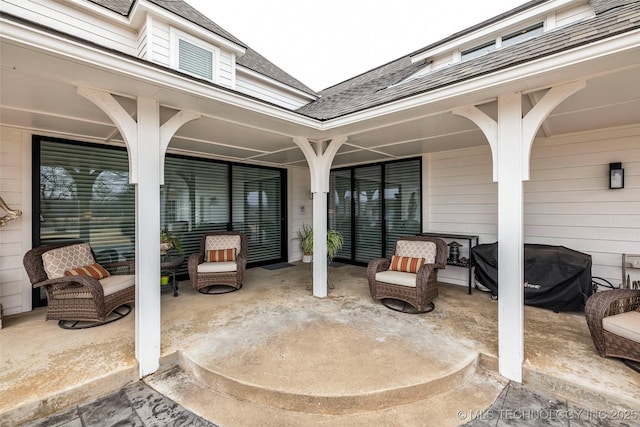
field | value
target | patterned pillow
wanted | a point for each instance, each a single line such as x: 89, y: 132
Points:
x: 222, y: 241
x: 57, y: 261
x: 406, y: 264
x: 94, y: 270
x: 220, y: 255
x: 417, y: 249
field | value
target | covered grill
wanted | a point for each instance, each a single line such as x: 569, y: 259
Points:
x: 556, y: 278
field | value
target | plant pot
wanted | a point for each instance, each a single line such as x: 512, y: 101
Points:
x: 164, y: 280
x: 307, y: 258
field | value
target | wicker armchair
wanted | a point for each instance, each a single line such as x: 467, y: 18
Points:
x: 419, y: 289
x: 619, y: 306
x: 79, y: 302
x: 224, y: 274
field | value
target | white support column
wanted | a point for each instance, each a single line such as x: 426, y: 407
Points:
x: 510, y: 237
x: 148, y: 237
x: 511, y: 139
x: 320, y: 168
x: 147, y: 143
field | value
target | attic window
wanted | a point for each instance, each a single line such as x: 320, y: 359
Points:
x: 504, y: 41
x: 476, y: 51
x: 522, y: 35
x: 194, y: 56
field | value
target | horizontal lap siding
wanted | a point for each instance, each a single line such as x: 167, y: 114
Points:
x: 161, y: 44
x: 567, y: 201
x: 62, y: 17
x: 12, y: 275
x: 226, y: 71
x: 462, y: 199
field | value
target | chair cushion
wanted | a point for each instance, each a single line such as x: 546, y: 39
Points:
x: 94, y: 270
x: 57, y: 261
x: 397, y: 278
x: 626, y: 325
x: 222, y: 241
x: 417, y: 249
x: 217, y: 267
x: 406, y: 264
x: 220, y: 255
x: 117, y: 282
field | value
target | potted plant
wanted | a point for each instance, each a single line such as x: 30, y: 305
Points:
x: 168, y: 241
x: 334, y: 242
x: 305, y: 235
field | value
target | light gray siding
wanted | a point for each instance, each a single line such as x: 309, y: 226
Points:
x: 567, y: 201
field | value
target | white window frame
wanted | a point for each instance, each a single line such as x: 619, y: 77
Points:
x: 174, y: 55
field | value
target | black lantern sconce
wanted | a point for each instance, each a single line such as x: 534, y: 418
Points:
x: 616, y: 176
x: 454, y: 252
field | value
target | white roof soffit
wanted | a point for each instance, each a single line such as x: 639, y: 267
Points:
x: 620, y: 52
x: 543, y: 73
x: 133, y: 68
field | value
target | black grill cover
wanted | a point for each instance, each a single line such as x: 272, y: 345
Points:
x: 556, y: 278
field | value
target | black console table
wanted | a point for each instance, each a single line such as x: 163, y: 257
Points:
x: 469, y: 239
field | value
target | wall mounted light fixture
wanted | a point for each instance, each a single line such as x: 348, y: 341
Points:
x: 616, y: 176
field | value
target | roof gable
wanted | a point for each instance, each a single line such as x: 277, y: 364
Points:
x: 251, y: 59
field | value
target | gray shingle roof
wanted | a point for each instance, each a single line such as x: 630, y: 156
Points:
x: 251, y: 59
x: 373, y: 88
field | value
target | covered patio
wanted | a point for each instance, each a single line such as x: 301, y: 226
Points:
x: 274, y: 354
x: 513, y: 146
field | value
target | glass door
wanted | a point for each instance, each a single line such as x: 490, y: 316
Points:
x: 258, y: 208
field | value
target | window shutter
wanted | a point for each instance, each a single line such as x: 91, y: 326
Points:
x: 195, y: 60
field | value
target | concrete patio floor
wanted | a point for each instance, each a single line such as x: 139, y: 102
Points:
x: 272, y: 354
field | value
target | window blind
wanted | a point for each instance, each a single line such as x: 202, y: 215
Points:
x: 340, y: 209
x: 402, y: 201
x: 368, y: 213
x: 195, y: 60
x: 257, y: 210
x: 373, y: 205
x: 194, y: 200
x: 85, y: 194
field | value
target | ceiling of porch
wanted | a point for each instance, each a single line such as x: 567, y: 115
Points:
x: 38, y: 92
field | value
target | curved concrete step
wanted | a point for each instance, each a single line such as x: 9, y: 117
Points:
x: 452, y: 407
x: 333, y: 368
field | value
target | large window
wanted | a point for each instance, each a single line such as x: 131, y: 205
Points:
x: 373, y: 205
x: 81, y: 191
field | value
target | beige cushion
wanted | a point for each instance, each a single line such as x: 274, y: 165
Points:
x: 59, y: 260
x: 117, y: 282
x: 217, y: 267
x: 223, y: 241
x: 397, y: 278
x: 626, y: 325
x: 417, y: 249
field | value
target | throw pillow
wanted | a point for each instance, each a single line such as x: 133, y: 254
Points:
x: 220, y: 255
x: 406, y: 264
x: 94, y: 270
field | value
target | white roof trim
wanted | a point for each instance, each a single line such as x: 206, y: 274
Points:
x: 138, y: 15
x: 496, y: 29
x: 515, y: 75
x: 141, y: 70
x: 244, y: 70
